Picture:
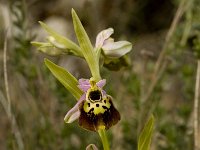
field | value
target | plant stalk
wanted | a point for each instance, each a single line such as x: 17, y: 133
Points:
x: 104, y: 139
x: 196, y: 109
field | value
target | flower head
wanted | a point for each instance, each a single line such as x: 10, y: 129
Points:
x: 94, y: 109
x: 110, y: 48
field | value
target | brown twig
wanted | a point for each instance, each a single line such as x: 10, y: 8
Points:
x: 6, y: 75
x: 188, y: 23
x: 161, y: 57
x: 13, y: 121
x: 172, y: 28
x: 7, y: 104
x: 196, y: 109
x: 158, y: 69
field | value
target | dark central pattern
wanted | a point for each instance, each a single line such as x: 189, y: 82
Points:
x: 92, y: 122
x: 95, y: 95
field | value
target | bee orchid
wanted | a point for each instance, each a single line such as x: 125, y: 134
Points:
x: 94, y: 109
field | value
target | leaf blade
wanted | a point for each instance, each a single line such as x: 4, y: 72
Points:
x: 86, y: 47
x: 66, y: 79
x: 146, y: 134
x: 61, y: 39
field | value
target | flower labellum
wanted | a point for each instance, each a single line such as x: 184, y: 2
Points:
x: 95, y: 106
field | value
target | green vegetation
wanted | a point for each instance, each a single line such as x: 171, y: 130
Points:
x: 159, y: 76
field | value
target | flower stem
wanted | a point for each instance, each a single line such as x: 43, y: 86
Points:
x: 104, y: 139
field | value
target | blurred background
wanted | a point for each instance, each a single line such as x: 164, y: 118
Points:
x: 158, y: 77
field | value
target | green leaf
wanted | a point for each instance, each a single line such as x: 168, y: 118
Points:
x: 146, y: 134
x: 67, y: 79
x: 86, y: 46
x: 62, y: 40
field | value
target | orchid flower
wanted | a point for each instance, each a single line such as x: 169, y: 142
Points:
x: 110, y: 48
x: 94, y: 109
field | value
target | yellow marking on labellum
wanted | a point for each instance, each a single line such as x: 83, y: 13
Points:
x: 97, y: 110
x: 98, y: 115
x: 97, y: 107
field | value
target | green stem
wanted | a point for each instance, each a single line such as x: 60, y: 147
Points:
x: 104, y: 139
x: 95, y: 71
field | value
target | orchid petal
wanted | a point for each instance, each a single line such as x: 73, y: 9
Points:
x: 84, y: 88
x: 109, y: 40
x: 54, y: 42
x: 69, y: 118
x: 101, y: 83
x: 116, y: 49
x: 102, y: 36
x: 74, y: 113
x: 84, y: 84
